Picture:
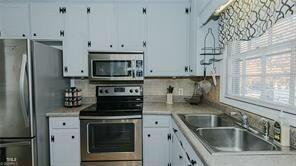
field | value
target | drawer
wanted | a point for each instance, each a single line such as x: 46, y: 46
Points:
x: 156, y: 121
x: 65, y: 123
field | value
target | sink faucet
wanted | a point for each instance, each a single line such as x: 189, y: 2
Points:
x: 265, y: 127
x: 244, y: 118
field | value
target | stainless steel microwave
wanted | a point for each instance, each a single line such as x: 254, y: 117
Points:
x: 105, y: 66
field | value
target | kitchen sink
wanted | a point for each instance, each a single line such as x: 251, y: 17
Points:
x: 206, y: 120
x: 221, y: 133
x: 233, y: 139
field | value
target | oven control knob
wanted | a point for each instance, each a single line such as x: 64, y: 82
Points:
x: 106, y: 91
x: 136, y: 90
x: 131, y: 91
x: 101, y: 91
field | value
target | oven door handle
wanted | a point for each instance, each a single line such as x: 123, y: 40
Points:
x: 110, y: 117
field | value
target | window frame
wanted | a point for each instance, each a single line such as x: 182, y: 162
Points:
x: 266, y: 109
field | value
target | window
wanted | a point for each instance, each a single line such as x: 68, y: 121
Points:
x: 263, y: 71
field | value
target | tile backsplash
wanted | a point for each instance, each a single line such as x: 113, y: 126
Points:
x: 155, y: 89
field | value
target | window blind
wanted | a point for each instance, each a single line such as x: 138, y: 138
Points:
x: 263, y: 70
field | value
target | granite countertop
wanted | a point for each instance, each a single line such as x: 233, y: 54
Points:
x: 68, y: 112
x: 282, y: 158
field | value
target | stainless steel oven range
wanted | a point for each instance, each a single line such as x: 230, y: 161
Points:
x: 120, y: 66
x: 111, y: 130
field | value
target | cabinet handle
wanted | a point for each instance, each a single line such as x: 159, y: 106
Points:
x: 148, y: 135
x: 66, y: 69
x: 64, y: 124
x: 175, y: 130
x: 193, y: 162
x: 156, y: 122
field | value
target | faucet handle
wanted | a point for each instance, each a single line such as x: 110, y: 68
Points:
x: 265, y: 127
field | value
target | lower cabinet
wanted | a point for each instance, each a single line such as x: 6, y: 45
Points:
x: 64, y: 141
x: 165, y: 145
x: 156, y: 140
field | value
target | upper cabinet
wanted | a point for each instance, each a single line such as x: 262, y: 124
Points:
x: 116, y: 27
x: 102, y: 27
x: 75, y: 41
x: 131, y: 26
x: 167, y: 44
x: 14, y: 20
x: 47, y: 21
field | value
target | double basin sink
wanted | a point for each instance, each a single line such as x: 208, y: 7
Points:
x: 221, y: 133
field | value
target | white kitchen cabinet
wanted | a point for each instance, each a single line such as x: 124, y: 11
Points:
x: 75, y: 42
x: 156, y: 140
x: 47, y: 21
x: 190, y: 157
x: 178, y: 155
x: 167, y: 44
x: 117, y: 27
x: 131, y: 26
x: 14, y: 19
x: 102, y: 27
x: 156, y: 146
x: 64, y: 141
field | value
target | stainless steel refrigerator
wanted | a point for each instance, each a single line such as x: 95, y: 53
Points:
x: 31, y: 84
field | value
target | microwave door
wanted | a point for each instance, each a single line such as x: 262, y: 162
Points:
x: 112, y: 69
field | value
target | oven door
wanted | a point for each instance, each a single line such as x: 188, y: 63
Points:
x: 111, y: 138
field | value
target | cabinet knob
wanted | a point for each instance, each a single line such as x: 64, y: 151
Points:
x: 151, y: 71
x: 73, y: 137
x: 156, y: 122
x: 24, y: 35
x: 64, y: 124
x: 148, y: 135
x: 180, y: 157
x: 122, y: 45
x: 34, y: 34
x: 111, y: 46
x: 82, y: 71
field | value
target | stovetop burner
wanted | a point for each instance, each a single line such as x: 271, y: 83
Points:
x: 117, y: 100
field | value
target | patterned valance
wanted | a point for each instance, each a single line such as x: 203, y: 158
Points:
x: 247, y: 19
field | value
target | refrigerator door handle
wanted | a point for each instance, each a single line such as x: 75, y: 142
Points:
x: 20, y: 143
x: 22, y: 89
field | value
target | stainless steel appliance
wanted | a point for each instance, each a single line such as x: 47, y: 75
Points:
x: 116, y: 66
x: 111, y: 130
x: 31, y: 84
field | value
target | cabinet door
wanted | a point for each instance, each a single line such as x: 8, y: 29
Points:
x: 46, y: 21
x: 131, y: 26
x: 156, y: 146
x: 102, y: 27
x: 75, y: 42
x: 167, y: 45
x: 178, y: 154
x: 65, y: 147
x: 14, y: 20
